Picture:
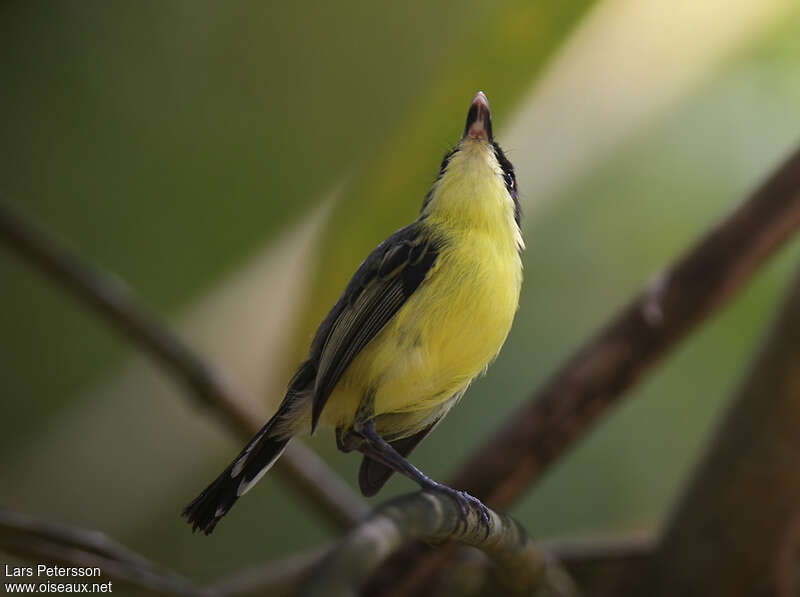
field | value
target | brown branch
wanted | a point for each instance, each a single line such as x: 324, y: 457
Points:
x: 276, y: 579
x: 117, y: 303
x: 600, y: 564
x: 597, y: 376
x: 589, y: 561
x: 281, y: 578
x: 599, y: 550
x: 35, y: 539
x: 435, y: 517
x: 600, y: 373
x: 735, y: 531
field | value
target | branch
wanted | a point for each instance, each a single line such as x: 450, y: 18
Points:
x: 600, y: 564
x: 35, y: 539
x: 434, y: 517
x: 598, y: 374
x: 735, y: 531
x: 599, y: 551
x: 276, y: 579
x: 113, y: 300
x: 663, y: 313
x: 584, y: 559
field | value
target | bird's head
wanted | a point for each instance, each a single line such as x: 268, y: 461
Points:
x: 476, y: 180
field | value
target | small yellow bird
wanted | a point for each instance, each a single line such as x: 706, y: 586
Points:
x: 424, y: 315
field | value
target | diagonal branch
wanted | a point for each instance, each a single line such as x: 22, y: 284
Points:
x: 736, y: 530
x: 112, y: 299
x: 33, y: 538
x: 597, y: 376
x: 655, y: 321
x: 434, y: 518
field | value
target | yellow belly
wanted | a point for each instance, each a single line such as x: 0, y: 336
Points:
x: 444, y: 336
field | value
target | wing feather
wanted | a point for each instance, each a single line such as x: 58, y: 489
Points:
x: 383, y: 283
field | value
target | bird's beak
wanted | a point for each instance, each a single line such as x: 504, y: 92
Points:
x: 479, y: 119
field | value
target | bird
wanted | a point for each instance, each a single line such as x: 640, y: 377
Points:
x: 423, y: 316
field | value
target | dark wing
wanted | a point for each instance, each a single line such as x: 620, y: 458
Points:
x: 373, y: 475
x: 383, y: 283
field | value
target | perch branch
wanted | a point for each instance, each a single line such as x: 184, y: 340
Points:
x: 32, y: 538
x: 434, y: 518
x: 115, y: 301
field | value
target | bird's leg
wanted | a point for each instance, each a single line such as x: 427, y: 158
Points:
x: 379, y: 449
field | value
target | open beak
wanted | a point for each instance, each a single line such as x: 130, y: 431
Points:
x: 479, y: 119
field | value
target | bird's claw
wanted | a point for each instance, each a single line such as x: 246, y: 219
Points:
x: 466, y: 503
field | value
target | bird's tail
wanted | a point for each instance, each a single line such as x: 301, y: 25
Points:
x: 257, y: 458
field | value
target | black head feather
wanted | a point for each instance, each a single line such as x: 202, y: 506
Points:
x: 509, y: 179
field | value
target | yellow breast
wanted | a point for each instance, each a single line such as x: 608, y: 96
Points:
x: 454, y: 325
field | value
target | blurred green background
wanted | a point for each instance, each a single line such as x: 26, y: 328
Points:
x: 234, y: 162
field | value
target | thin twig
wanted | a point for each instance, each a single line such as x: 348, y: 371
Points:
x: 599, y: 564
x: 277, y: 579
x: 30, y: 537
x: 599, y: 374
x: 435, y: 517
x: 599, y: 550
x: 115, y: 301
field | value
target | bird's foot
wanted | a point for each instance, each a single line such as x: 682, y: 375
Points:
x: 466, y: 503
